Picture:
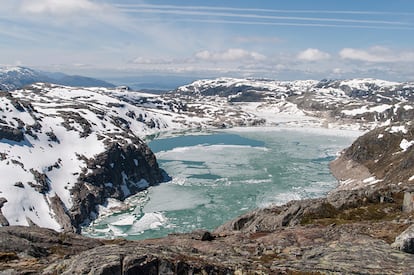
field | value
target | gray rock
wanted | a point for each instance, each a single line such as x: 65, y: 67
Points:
x: 405, y: 241
x: 3, y: 220
x: 408, y: 202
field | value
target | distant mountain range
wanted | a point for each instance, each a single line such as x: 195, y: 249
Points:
x: 12, y: 78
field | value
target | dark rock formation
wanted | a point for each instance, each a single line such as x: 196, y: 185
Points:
x: 405, y: 241
x: 3, y: 220
x: 11, y: 133
x: 117, y: 173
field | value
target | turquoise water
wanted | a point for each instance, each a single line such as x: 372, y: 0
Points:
x: 218, y: 176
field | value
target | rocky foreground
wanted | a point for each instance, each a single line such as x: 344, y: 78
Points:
x: 365, y: 226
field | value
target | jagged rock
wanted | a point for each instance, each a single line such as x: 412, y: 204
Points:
x: 19, y: 184
x: 202, y: 235
x: 405, y: 241
x: 11, y: 133
x: 62, y: 215
x: 3, y: 220
x: 42, y: 184
x: 114, y: 174
x: 270, y: 219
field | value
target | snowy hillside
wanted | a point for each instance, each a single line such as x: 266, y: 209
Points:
x: 59, y: 145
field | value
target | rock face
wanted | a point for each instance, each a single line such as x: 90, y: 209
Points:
x: 405, y: 241
x: 129, y: 169
x: 387, y: 155
x: 11, y: 134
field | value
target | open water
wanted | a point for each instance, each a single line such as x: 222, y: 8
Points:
x: 217, y: 176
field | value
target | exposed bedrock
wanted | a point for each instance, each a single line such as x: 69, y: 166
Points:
x: 120, y: 171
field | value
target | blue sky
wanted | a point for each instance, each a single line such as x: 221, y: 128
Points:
x: 298, y: 39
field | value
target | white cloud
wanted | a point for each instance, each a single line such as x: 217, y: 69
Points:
x: 151, y: 61
x: 377, y: 54
x: 230, y: 55
x: 313, y: 55
x: 58, y: 7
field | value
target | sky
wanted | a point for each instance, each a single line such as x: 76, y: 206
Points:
x: 276, y: 39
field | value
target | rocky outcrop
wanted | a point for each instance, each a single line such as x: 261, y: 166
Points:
x: 117, y: 173
x: 29, y: 250
x: 405, y: 241
x: 348, y: 248
x: 9, y: 133
x: 3, y: 220
x: 382, y: 151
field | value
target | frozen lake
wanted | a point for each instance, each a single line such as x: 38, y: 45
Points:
x: 219, y: 175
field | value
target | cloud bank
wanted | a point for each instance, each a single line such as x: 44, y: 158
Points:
x: 229, y: 55
x: 377, y: 54
x: 313, y: 55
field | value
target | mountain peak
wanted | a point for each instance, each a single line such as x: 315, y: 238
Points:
x: 16, y: 77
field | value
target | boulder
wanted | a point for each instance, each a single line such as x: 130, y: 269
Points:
x: 405, y: 241
x: 408, y: 202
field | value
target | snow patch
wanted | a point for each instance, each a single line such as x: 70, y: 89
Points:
x: 371, y: 180
x: 405, y: 144
x: 396, y: 129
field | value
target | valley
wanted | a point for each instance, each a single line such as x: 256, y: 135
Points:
x: 71, y: 154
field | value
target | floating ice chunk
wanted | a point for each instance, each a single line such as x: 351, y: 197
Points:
x: 128, y: 220
x: 148, y: 221
x: 169, y: 197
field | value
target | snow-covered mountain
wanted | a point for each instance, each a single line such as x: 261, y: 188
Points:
x: 66, y: 150
x: 12, y: 78
x: 366, y: 102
